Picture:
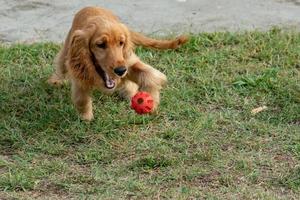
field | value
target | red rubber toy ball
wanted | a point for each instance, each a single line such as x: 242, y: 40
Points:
x: 142, y: 102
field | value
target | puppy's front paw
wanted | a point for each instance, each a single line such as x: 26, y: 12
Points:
x: 155, y: 107
x: 55, y: 80
x: 88, y: 116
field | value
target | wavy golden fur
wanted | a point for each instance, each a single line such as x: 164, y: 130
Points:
x: 98, y: 53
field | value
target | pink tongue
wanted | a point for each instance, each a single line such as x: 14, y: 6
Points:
x: 109, y: 83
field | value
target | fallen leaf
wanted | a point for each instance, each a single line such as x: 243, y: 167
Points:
x: 259, y: 109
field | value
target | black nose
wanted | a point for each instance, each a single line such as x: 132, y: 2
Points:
x: 120, y: 71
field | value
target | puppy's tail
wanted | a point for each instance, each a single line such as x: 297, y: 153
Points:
x: 139, y: 39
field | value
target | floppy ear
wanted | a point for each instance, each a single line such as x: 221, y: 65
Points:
x: 79, y: 57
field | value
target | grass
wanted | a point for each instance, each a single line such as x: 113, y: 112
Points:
x: 204, y: 142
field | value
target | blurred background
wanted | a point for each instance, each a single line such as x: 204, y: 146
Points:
x: 43, y: 20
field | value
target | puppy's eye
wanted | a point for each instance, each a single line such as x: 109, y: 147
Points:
x: 102, y: 45
x: 121, y: 43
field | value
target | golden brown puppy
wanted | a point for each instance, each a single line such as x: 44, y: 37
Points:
x: 98, y: 53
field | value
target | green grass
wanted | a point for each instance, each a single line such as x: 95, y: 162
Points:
x: 203, y: 143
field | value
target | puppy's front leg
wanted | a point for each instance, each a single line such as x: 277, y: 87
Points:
x: 148, y: 79
x: 82, y: 100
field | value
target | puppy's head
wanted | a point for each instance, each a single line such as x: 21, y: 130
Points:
x: 99, y: 51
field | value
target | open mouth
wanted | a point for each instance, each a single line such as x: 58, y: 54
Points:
x: 108, y: 81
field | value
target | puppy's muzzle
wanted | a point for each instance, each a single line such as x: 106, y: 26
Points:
x: 120, y: 71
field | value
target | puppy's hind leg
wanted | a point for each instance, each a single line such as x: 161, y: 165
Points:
x: 58, y: 77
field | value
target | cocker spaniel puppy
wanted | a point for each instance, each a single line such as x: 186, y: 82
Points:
x: 98, y: 53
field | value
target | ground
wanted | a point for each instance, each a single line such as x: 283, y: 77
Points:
x: 40, y: 20
x: 203, y: 143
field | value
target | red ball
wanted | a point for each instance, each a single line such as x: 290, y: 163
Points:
x: 142, y: 102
